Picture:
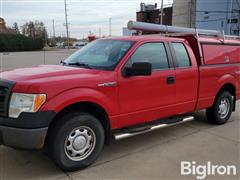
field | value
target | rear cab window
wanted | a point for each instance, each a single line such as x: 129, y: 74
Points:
x: 181, y: 55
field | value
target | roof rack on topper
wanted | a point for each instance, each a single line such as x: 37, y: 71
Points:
x: 177, y: 31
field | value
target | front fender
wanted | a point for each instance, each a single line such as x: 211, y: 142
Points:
x: 69, y: 97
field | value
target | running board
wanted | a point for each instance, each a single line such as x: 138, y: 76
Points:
x: 123, y: 135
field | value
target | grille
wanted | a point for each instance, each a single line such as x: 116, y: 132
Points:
x: 5, y: 90
x: 3, y: 98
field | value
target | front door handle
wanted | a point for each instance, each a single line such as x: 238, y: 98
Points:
x: 170, y: 80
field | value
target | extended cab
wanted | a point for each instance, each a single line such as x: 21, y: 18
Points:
x: 117, y: 87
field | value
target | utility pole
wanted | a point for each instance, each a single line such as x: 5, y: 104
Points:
x: 53, y: 37
x: 53, y: 24
x: 66, y: 19
x: 110, y: 26
x: 161, y: 21
x: 100, y: 32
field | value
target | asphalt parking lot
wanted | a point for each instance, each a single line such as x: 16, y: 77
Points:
x: 156, y: 155
x: 27, y: 59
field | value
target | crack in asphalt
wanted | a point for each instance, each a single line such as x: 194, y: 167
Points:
x: 217, y: 135
x: 68, y: 175
x: 60, y: 178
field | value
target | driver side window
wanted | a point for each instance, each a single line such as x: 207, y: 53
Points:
x: 154, y: 53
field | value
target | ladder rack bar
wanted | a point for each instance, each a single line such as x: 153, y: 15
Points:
x: 142, y: 26
x: 232, y: 37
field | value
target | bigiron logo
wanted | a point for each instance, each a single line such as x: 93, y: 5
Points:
x: 202, y: 171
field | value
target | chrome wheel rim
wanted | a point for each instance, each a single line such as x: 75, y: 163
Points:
x: 224, y: 108
x: 80, y: 143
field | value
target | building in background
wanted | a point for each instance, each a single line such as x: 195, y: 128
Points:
x: 151, y: 14
x: 184, y: 13
x: 219, y: 15
x: 148, y: 13
x: 167, y: 15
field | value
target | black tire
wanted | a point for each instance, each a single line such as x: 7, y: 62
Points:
x: 58, y: 140
x: 213, y: 114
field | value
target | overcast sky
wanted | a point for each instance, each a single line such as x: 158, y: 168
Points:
x: 83, y: 15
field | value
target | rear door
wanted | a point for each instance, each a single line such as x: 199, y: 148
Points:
x: 145, y: 98
x: 186, y: 77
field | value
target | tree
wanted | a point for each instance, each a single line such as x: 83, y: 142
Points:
x: 15, y: 28
x: 28, y: 29
x: 17, y: 42
x: 35, y: 29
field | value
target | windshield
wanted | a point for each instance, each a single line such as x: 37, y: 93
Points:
x: 100, y: 54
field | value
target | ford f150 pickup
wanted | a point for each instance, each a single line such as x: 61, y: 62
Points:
x: 117, y: 87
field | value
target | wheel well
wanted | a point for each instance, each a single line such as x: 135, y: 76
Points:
x: 89, y: 107
x: 231, y: 89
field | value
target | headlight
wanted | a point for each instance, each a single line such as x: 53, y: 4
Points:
x: 25, y: 103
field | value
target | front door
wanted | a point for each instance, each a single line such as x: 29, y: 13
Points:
x: 146, y: 98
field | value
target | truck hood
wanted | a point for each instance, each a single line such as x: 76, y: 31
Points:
x: 44, y: 71
x: 51, y: 79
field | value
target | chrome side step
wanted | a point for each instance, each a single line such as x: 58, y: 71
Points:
x: 124, y: 135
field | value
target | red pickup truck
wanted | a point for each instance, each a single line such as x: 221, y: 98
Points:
x: 117, y: 87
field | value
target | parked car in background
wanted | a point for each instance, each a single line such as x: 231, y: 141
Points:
x: 60, y: 45
x: 79, y: 45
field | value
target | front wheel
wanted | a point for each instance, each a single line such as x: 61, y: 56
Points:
x: 76, y: 141
x: 221, y: 110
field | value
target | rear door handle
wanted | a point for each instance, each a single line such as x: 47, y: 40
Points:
x: 170, y: 80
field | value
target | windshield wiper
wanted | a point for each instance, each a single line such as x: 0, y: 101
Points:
x: 79, y: 64
x: 62, y: 62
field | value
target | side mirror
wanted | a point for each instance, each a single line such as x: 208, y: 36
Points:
x: 139, y: 69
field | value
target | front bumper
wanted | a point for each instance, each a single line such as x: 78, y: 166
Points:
x: 28, y: 131
x: 22, y: 138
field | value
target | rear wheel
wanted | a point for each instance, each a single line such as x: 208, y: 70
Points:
x: 76, y: 141
x: 221, y: 110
